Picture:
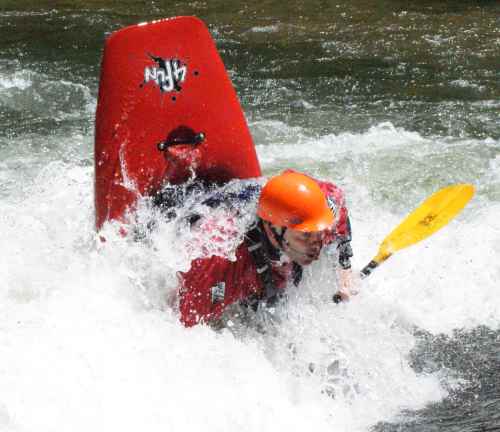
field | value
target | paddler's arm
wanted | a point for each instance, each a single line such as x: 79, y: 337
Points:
x: 341, y: 241
x: 344, y: 273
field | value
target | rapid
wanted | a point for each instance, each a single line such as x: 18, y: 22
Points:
x: 389, y: 101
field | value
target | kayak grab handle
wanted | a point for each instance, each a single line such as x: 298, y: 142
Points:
x: 192, y: 139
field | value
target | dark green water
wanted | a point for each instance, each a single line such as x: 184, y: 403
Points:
x: 431, y: 67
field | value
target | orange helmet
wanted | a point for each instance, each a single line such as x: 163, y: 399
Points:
x: 296, y: 201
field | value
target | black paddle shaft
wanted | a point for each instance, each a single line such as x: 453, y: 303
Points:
x: 367, y: 271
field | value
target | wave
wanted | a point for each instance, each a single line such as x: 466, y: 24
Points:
x: 88, y: 331
x: 39, y: 95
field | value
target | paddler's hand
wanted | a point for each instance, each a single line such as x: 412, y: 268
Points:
x: 340, y: 296
x: 348, y: 285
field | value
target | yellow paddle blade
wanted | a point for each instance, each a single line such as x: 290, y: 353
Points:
x: 433, y: 214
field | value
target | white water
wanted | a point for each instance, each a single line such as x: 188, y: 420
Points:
x: 28, y: 91
x: 89, y: 340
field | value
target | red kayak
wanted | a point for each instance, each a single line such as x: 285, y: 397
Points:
x: 164, y: 89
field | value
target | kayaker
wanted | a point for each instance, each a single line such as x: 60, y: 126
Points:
x: 297, y: 219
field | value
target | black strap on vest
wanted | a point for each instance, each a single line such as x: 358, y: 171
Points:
x: 262, y: 253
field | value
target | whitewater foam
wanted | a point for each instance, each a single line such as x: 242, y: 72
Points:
x: 89, y: 331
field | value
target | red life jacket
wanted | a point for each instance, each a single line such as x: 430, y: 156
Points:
x: 214, y: 283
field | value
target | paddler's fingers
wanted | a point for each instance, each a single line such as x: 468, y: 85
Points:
x: 349, y: 284
x: 356, y: 282
x: 347, y: 280
x: 340, y: 296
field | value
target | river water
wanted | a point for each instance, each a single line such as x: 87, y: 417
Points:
x: 391, y: 100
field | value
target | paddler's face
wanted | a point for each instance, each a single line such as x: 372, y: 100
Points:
x: 303, y: 247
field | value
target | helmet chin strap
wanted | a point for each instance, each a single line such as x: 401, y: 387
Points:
x: 279, y: 235
x: 275, y: 235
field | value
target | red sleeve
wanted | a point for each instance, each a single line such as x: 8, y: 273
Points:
x: 336, y: 202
